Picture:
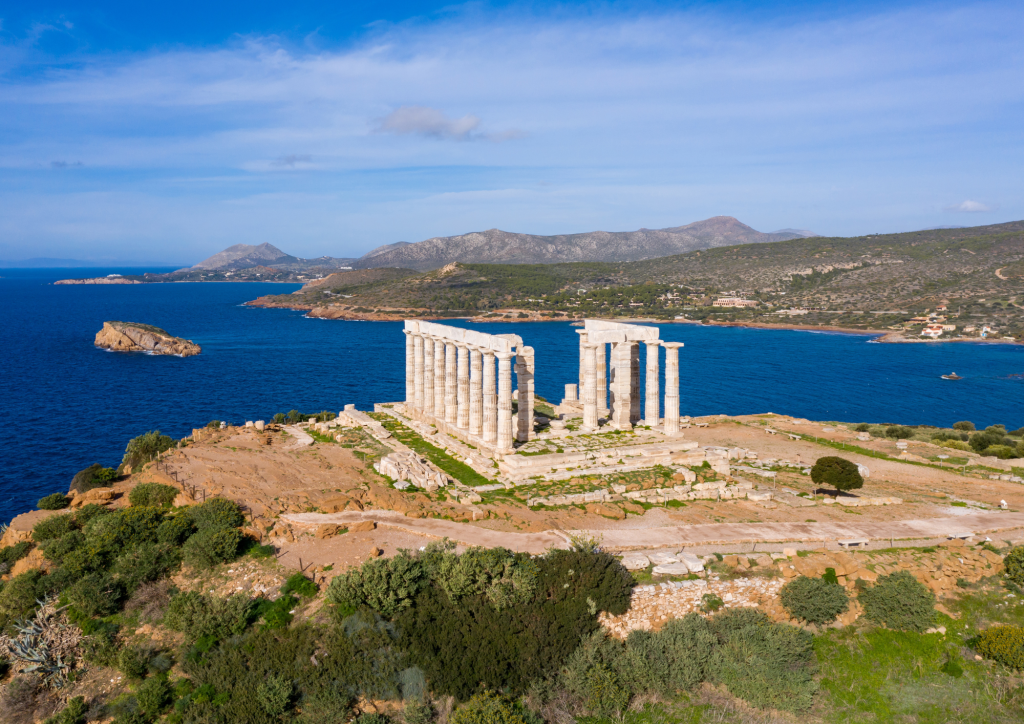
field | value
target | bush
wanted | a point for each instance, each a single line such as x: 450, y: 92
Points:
x: 298, y: 583
x: 387, y: 585
x: 55, y: 501
x: 863, y: 427
x: 199, y: 615
x: 489, y: 708
x: 1004, y: 644
x: 275, y: 694
x: 899, y: 601
x: 145, y: 447
x: 18, y: 596
x: 97, y: 594
x: 1014, y: 565
x: 145, y: 563
x: 506, y: 578
x: 838, y: 473
x: 956, y: 445
x: 215, y: 513
x: 73, y: 713
x: 677, y: 656
x: 154, y: 695
x: 94, y: 476
x: 88, y: 512
x: 814, y: 600
x: 592, y: 675
x: 57, y: 549
x: 56, y: 526
x: 155, y: 494
x: 770, y: 665
x: 964, y: 426
x: 981, y: 441
x: 176, y: 529
x: 133, y: 661
x: 1003, y: 452
x: 212, y: 546
x: 124, y: 528
x: 899, y: 432
x: 12, y: 554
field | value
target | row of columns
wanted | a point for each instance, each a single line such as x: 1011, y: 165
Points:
x: 455, y: 382
x: 624, y: 410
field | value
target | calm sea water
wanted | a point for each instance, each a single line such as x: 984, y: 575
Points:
x: 68, y: 404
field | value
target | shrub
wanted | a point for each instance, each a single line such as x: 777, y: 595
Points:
x: 279, y: 418
x: 55, y: 526
x: 18, y: 596
x: 899, y: 432
x: 1003, y: 452
x: 1014, y: 565
x: 133, y: 661
x: 97, y: 594
x: 212, y: 546
x: 770, y: 665
x: 150, y: 600
x: 215, y: 513
x: 956, y: 445
x: 814, y: 600
x: 981, y: 441
x: 506, y: 578
x: 124, y: 528
x: 57, y: 549
x: 964, y: 426
x: 863, y: 427
x: 73, y: 713
x: 12, y: 554
x: 386, y: 585
x: 837, y: 473
x: 176, y: 529
x: 274, y: 695
x: 298, y: 583
x: 155, y: 494
x: 88, y: 512
x: 145, y: 563
x: 489, y: 708
x: 94, y: 476
x: 145, y: 447
x: 154, y: 695
x: 899, y: 601
x: 591, y: 675
x: 1004, y: 644
x: 18, y: 699
x: 55, y: 501
x: 200, y: 615
x: 678, y: 655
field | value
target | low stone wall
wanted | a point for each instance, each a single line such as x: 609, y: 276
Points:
x: 654, y: 496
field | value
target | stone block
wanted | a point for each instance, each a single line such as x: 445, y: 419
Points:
x: 789, y: 552
x: 635, y: 562
x: 327, y: 530
x: 661, y: 558
x: 693, y: 563
x: 260, y: 425
x: 672, y: 569
x: 363, y: 527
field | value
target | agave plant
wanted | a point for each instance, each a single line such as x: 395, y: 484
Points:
x: 45, y: 644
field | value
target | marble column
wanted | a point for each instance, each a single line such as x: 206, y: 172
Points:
x: 462, y: 389
x: 671, y: 387
x: 418, y: 372
x: 476, y: 392
x: 583, y: 363
x: 524, y: 379
x: 439, y: 378
x: 602, y: 380
x: 620, y: 386
x: 490, y: 399
x: 589, y: 394
x: 428, y: 375
x: 634, y: 383
x: 450, y: 383
x: 410, y: 369
x: 504, y: 443
x: 652, y: 404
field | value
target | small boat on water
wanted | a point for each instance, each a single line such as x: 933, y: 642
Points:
x: 952, y: 376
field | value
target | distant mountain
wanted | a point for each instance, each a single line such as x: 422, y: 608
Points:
x: 502, y: 247
x: 247, y: 256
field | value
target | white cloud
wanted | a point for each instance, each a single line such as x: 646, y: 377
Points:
x: 426, y: 121
x: 969, y: 207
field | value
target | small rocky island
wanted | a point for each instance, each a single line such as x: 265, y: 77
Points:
x: 133, y: 337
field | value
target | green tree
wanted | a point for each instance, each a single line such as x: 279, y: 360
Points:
x: 964, y: 426
x: 838, y: 473
x: 145, y: 447
x: 899, y: 432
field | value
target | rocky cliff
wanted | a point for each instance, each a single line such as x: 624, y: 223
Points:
x: 131, y: 337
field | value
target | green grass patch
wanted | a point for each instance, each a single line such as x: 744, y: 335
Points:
x: 458, y: 470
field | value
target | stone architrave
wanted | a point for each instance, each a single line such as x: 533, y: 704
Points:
x: 621, y: 385
x: 671, y: 387
x: 589, y: 395
x: 439, y: 370
x: 652, y: 402
x: 428, y: 375
x: 634, y: 383
x: 504, y: 443
x: 476, y: 392
x: 583, y: 365
x: 490, y: 399
x: 450, y: 382
x: 524, y: 375
x: 410, y: 368
x: 601, y: 373
x: 418, y: 372
x: 462, y: 389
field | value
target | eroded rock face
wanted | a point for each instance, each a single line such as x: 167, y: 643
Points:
x: 132, y: 337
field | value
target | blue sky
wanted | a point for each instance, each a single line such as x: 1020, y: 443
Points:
x: 133, y: 133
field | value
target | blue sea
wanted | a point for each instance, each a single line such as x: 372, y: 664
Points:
x: 68, y: 404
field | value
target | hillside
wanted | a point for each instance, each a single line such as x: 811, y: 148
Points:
x: 868, y: 282
x: 248, y: 256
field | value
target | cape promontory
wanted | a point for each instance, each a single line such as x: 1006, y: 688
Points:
x: 133, y: 337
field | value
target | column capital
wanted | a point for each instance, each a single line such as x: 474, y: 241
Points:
x: 582, y: 333
x: 504, y: 356
x: 657, y: 342
x: 672, y: 345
